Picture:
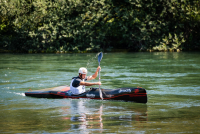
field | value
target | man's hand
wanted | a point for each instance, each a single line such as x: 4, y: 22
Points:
x: 98, y: 83
x: 98, y: 68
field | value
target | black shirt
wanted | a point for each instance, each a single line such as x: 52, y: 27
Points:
x: 77, y: 81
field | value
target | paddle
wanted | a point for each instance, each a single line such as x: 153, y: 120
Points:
x: 99, y: 60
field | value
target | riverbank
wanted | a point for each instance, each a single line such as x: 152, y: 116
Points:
x: 112, y: 50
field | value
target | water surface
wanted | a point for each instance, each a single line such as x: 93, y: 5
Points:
x: 171, y: 81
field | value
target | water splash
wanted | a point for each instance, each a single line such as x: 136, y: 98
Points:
x: 92, y: 60
x: 21, y: 94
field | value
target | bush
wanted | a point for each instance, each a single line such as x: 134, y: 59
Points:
x: 99, y: 25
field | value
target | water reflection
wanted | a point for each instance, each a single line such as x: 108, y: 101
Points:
x: 87, y: 115
x: 83, y: 115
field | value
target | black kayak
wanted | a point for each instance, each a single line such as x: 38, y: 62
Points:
x: 125, y: 94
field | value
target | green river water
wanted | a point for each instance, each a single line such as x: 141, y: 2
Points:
x: 172, y: 81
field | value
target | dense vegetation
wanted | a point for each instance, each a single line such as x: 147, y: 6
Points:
x: 99, y: 25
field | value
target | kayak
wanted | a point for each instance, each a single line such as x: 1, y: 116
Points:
x: 125, y: 94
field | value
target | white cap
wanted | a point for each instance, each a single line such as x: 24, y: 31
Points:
x: 82, y: 70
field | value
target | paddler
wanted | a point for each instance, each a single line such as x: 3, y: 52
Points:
x: 78, y: 83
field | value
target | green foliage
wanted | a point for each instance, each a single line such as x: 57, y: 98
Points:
x: 99, y: 25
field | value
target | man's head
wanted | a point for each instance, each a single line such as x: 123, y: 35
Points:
x: 82, y: 72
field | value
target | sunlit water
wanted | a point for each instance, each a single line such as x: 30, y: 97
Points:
x: 171, y: 81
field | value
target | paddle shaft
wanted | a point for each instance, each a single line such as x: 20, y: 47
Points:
x: 99, y: 60
x: 100, y: 92
x: 99, y: 75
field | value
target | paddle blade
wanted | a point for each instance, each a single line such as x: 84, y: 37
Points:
x: 100, y: 56
x: 100, y: 94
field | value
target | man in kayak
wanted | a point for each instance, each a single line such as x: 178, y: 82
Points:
x: 78, y: 83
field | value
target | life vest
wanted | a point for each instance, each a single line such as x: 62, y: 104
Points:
x: 77, y: 90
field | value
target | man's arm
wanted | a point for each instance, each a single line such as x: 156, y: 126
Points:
x: 89, y: 83
x: 95, y: 74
